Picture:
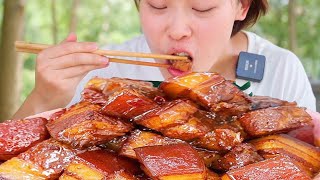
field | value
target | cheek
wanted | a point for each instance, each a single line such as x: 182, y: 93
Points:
x: 151, y: 27
x: 213, y: 37
x: 215, y: 34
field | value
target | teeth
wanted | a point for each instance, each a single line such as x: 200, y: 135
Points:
x: 182, y: 54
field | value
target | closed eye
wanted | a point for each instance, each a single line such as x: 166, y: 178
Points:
x: 203, y: 11
x: 158, y: 8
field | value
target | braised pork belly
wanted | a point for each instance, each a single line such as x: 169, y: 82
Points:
x: 196, y: 126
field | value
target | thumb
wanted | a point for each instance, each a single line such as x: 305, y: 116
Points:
x: 72, y: 37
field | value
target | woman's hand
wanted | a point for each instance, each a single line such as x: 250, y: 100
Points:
x: 59, y: 69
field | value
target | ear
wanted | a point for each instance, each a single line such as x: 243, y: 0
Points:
x: 242, y: 9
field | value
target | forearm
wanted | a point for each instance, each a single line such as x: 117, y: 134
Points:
x: 34, y: 104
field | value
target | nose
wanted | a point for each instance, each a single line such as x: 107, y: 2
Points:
x: 179, y: 26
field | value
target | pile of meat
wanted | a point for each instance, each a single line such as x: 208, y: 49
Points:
x: 198, y: 126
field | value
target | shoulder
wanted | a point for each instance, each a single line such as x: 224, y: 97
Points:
x: 276, y: 56
x: 285, y: 77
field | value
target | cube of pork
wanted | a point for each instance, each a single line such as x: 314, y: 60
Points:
x: 143, y: 138
x: 211, y: 91
x: 178, y: 161
x: 271, y: 169
x: 43, y: 161
x: 17, y: 136
x: 180, y: 119
x: 83, y: 126
x: 101, y: 164
x: 128, y: 104
x: 241, y: 155
x: 98, y: 90
x: 274, y: 120
x: 303, y: 153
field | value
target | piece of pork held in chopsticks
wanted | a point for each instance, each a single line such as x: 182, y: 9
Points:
x: 182, y: 65
x: 271, y: 169
x: 211, y: 91
x: 46, y: 160
x: 181, y: 119
x: 83, y: 125
x: 17, y: 136
x: 101, y: 164
x: 175, y: 161
x: 274, y: 120
x: 304, y: 154
x: 98, y: 90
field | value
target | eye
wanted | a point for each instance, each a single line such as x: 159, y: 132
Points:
x: 203, y: 11
x: 158, y: 7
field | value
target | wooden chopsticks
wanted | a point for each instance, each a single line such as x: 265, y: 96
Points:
x: 26, y: 47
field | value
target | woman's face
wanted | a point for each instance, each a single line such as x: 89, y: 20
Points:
x: 200, y: 28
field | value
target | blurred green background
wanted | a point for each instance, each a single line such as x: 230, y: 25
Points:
x: 290, y: 24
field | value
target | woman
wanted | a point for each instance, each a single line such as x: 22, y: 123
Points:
x: 209, y: 31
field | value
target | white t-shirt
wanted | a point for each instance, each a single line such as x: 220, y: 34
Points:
x: 284, y: 78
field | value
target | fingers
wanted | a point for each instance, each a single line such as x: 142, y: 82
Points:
x: 68, y: 48
x: 79, y: 72
x: 78, y: 59
x: 72, y: 37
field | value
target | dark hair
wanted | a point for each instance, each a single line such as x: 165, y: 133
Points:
x: 257, y: 8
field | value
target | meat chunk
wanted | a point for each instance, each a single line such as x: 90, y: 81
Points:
x: 211, y: 91
x: 262, y: 102
x: 274, y: 120
x: 286, y: 169
x: 304, y: 134
x: 16, y: 168
x: 241, y: 155
x: 173, y: 113
x: 142, y: 87
x: 171, y: 162
x: 209, y: 157
x: 303, y: 153
x: 182, y: 65
x: 141, y: 139
x: 180, y: 119
x: 222, y: 140
x: 83, y: 126
x: 101, y: 164
x: 128, y: 104
x: 17, y: 136
x: 115, y: 144
x: 191, y: 130
x: 43, y: 161
x: 98, y: 90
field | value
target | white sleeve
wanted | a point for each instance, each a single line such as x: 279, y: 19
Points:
x: 298, y: 84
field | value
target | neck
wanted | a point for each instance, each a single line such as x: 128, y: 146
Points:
x: 226, y: 66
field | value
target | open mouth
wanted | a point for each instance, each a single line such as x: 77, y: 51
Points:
x: 181, y: 65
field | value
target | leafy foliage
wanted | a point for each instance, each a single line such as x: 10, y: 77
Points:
x: 274, y: 26
x: 1, y: 12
